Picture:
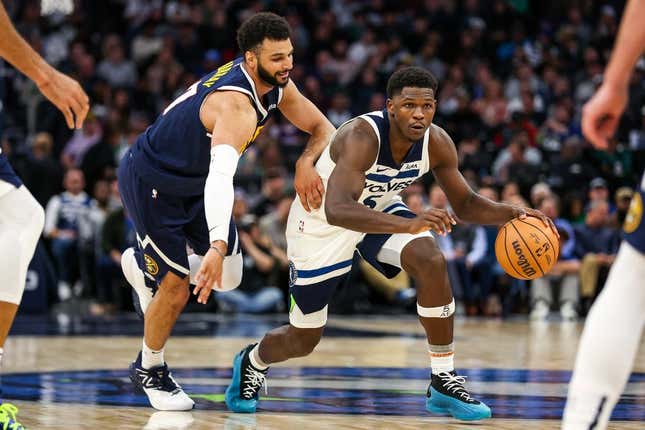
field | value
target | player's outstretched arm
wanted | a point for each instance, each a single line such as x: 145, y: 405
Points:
x: 354, y: 150
x: 601, y: 114
x: 64, y: 92
x: 232, y: 119
x: 467, y: 204
x: 302, y: 113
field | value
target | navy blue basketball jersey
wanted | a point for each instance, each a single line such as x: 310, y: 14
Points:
x: 173, y: 154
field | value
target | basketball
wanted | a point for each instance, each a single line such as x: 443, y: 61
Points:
x: 526, y: 248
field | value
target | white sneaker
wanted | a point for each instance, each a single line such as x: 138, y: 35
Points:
x: 164, y: 393
x: 568, y: 312
x: 165, y: 420
x: 136, y: 278
x: 540, y: 311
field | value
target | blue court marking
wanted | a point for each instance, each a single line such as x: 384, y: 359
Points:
x: 113, y: 388
x: 195, y: 324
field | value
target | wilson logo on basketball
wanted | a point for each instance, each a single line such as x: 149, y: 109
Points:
x: 522, y: 262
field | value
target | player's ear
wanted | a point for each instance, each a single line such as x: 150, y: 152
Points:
x: 389, y: 104
x: 250, y: 57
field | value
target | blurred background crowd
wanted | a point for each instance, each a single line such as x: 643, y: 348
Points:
x: 513, y: 75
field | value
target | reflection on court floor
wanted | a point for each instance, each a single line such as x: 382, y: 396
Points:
x: 365, y: 368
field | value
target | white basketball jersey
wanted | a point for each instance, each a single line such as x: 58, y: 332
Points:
x: 385, y: 179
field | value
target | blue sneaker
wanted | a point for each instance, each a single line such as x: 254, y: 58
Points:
x: 163, y: 392
x: 242, y: 394
x: 8, y: 420
x: 447, y: 395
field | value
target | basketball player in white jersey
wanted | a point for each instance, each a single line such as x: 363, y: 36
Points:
x: 21, y: 217
x: 614, y: 325
x: 368, y: 162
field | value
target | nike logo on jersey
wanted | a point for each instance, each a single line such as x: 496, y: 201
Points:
x: 380, y: 169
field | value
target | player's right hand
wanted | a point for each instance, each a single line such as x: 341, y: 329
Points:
x: 68, y: 96
x: 438, y: 220
x: 209, y: 275
x: 601, y: 114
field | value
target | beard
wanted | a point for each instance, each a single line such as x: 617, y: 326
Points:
x: 270, y: 79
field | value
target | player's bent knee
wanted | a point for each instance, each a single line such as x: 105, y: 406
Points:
x: 422, y: 257
x: 444, y: 311
x: 232, y: 268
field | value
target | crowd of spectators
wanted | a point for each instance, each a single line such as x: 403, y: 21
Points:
x: 512, y: 74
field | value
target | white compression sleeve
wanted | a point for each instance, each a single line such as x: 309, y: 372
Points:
x: 218, y: 192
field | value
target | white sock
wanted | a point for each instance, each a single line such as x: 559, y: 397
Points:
x: 151, y: 358
x: 255, y: 359
x: 608, y: 344
x: 442, y: 358
x: 1, y: 353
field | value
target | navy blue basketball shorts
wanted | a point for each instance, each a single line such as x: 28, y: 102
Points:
x: 165, y: 225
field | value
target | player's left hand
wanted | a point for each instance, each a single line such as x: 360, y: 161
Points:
x: 68, y: 96
x: 308, y: 185
x: 209, y: 275
x: 522, y: 213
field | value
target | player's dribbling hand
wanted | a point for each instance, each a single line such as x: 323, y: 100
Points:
x: 438, y: 220
x: 308, y: 186
x: 209, y: 275
x: 522, y: 213
x: 68, y: 96
x: 601, y: 114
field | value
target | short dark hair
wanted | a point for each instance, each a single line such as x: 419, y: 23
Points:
x: 411, y: 76
x: 263, y: 25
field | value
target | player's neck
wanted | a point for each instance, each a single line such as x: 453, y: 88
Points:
x: 399, y: 145
x: 261, y: 87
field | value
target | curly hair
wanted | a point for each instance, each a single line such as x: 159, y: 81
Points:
x: 412, y: 76
x: 264, y: 25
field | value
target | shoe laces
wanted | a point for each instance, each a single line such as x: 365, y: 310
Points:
x: 254, y: 379
x: 455, y: 384
x: 8, y: 419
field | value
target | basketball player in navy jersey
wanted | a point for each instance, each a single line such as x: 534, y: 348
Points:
x: 614, y: 325
x: 21, y: 217
x: 176, y: 183
x: 368, y: 162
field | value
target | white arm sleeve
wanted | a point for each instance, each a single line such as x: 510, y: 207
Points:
x: 218, y: 192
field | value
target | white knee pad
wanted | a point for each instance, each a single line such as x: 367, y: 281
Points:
x: 231, y: 270
x: 21, y: 223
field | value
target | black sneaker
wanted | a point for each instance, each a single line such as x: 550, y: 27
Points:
x: 447, y: 395
x: 158, y: 384
x: 242, y: 393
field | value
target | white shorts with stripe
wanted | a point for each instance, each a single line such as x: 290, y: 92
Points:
x: 321, y: 256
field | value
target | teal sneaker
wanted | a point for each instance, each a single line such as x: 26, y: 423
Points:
x: 447, y: 395
x: 242, y: 393
x: 8, y: 420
